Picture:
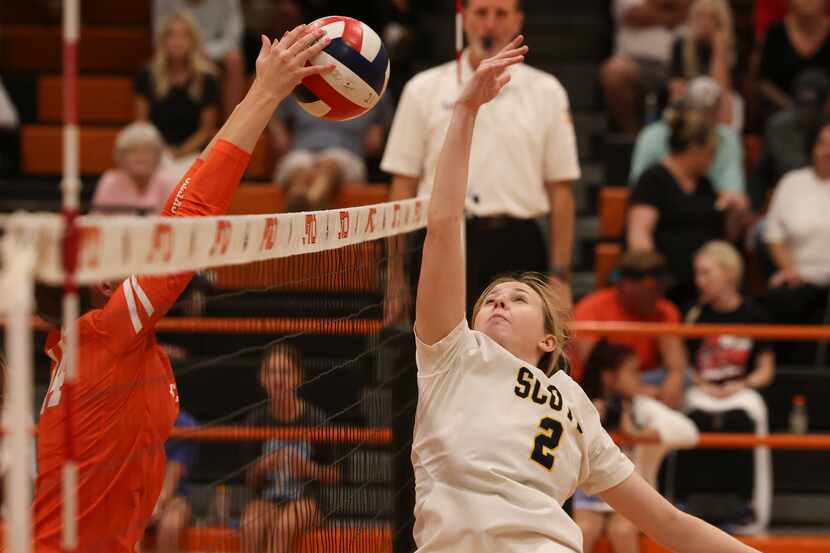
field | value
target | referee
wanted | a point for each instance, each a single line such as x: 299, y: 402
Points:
x: 523, y: 164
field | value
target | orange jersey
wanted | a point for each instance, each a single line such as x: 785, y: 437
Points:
x: 125, y: 400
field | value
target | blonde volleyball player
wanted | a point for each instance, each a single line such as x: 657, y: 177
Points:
x: 501, y: 440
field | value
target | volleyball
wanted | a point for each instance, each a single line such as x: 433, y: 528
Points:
x: 360, y: 75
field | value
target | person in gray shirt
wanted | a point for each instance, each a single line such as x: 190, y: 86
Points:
x: 319, y: 155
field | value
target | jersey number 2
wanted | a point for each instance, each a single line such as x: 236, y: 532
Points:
x: 546, y: 442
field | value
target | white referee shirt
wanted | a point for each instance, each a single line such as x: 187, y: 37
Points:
x: 522, y: 139
x: 497, y: 449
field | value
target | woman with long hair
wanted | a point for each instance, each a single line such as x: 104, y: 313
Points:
x: 707, y: 48
x: 178, y: 92
x: 503, y: 436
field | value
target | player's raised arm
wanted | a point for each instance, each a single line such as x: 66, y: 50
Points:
x: 441, y: 296
x: 139, y: 302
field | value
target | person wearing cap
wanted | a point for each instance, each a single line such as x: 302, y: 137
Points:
x: 785, y: 145
x: 674, y: 208
x: 636, y: 297
x: 727, y: 168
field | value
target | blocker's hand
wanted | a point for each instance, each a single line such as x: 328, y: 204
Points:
x: 281, y: 65
x: 490, y: 77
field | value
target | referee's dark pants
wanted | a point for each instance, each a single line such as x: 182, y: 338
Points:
x: 495, y: 246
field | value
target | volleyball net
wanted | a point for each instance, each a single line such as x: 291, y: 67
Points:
x: 285, y: 374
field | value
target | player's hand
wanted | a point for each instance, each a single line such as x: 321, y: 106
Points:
x: 281, y: 65
x: 490, y: 77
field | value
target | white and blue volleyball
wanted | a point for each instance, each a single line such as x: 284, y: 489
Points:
x: 360, y: 75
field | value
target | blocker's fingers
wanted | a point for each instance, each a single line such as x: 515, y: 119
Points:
x: 306, y: 41
x: 314, y: 49
x: 513, y: 52
x: 266, y: 45
x: 291, y: 37
x: 515, y: 43
x: 315, y: 70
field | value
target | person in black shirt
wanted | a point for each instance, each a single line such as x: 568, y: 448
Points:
x: 800, y: 41
x: 178, y: 93
x: 728, y: 372
x: 674, y: 208
x: 287, y: 473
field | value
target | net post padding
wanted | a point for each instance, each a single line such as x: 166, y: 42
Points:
x: 16, y: 303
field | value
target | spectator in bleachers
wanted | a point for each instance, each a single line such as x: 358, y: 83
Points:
x: 797, y: 232
x: 726, y: 171
x: 220, y: 24
x: 638, y: 297
x: 767, y: 12
x: 287, y: 474
x: 729, y: 372
x: 173, y: 510
x: 136, y: 184
x: 179, y: 93
x: 799, y: 42
x: 674, y: 209
x: 707, y: 48
x: 640, y: 64
x: 785, y: 145
x: 611, y: 382
x: 320, y: 155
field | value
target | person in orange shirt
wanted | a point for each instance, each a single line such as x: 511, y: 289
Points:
x: 125, y: 398
x: 638, y: 297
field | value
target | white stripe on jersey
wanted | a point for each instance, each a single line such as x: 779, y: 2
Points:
x: 142, y: 297
x: 131, y: 306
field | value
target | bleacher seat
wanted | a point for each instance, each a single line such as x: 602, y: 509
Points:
x: 101, y: 100
x: 613, y: 205
x: 37, y: 48
x: 42, y: 150
x: 94, y: 12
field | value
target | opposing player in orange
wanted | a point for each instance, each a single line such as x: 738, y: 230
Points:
x: 125, y: 399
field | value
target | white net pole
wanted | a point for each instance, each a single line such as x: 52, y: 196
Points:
x: 18, y: 292
x: 71, y: 185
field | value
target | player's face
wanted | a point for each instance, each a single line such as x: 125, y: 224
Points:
x: 140, y: 162
x: 711, y: 278
x: 513, y: 315
x: 280, y: 375
x: 178, y: 42
x: 491, y: 24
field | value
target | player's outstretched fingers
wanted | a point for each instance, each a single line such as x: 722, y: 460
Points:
x: 310, y: 70
x: 306, y: 42
x: 314, y: 49
x: 291, y: 37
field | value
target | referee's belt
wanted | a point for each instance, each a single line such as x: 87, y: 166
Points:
x: 496, y: 221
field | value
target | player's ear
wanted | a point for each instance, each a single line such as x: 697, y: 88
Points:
x: 548, y: 343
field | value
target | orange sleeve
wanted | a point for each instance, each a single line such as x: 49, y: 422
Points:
x: 139, y: 302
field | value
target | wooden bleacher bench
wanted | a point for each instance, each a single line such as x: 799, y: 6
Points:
x: 613, y: 205
x: 37, y: 48
x: 254, y: 198
x: 101, y: 100
x: 42, y: 149
x: 94, y: 12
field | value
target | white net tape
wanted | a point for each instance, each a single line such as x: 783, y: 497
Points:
x: 112, y: 247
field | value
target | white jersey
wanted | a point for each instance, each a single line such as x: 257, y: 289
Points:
x: 499, y: 447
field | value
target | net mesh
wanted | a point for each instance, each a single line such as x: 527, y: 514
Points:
x: 296, y: 403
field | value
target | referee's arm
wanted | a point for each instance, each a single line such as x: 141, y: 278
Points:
x: 562, y: 218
